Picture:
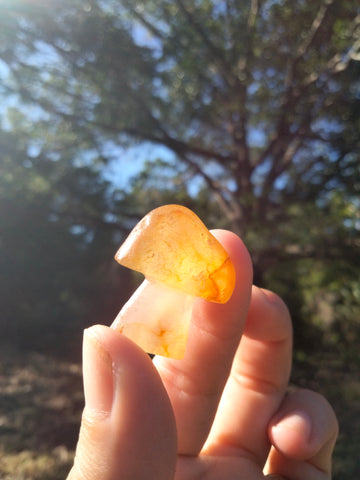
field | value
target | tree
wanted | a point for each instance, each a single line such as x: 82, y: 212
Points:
x: 246, y: 103
x: 256, y: 103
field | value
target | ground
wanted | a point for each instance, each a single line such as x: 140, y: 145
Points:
x: 40, y: 406
x: 41, y: 401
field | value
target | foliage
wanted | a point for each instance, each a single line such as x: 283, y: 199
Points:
x: 252, y: 110
x: 202, y: 79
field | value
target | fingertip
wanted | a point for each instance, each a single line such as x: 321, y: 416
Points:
x: 238, y: 253
x: 228, y: 319
x: 269, y: 318
x: 305, y: 428
x: 291, y: 434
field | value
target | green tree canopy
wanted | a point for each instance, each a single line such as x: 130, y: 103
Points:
x: 254, y: 98
x: 254, y: 103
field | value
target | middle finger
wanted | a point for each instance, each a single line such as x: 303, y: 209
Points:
x: 258, y: 380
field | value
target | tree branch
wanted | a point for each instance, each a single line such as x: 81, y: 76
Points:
x: 146, y: 23
x: 281, y: 147
x: 308, y: 41
x: 215, y: 52
x: 292, y: 93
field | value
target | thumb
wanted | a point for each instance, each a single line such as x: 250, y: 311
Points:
x: 128, y: 428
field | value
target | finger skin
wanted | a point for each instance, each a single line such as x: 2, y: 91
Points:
x: 303, y: 432
x: 195, y: 383
x: 128, y: 428
x: 258, y: 380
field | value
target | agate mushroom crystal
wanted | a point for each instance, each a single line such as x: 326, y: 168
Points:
x: 181, y: 260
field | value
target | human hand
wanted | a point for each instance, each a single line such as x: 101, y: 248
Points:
x: 223, y: 412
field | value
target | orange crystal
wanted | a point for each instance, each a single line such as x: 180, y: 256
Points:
x: 157, y: 318
x: 171, y: 245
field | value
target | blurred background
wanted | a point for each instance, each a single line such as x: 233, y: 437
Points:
x: 245, y: 111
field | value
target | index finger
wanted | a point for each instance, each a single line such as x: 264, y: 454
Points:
x: 195, y: 383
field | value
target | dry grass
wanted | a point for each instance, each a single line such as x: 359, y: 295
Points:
x: 40, y: 405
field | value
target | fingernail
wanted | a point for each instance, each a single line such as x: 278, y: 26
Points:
x: 297, y: 421
x: 97, y: 372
